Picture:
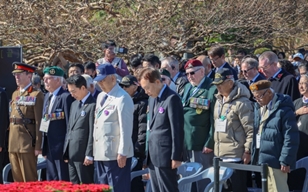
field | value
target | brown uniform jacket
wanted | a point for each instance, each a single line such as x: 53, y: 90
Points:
x: 19, y: 140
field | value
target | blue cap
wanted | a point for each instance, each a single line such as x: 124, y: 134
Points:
x: 103, y: 70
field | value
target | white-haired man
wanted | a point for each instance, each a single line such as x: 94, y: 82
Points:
x: 172, y: 65
x: 91, y: 86
x: 113, y: 125
x: 56, y: 111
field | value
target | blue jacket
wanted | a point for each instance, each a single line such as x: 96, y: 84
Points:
x: 279, y: 137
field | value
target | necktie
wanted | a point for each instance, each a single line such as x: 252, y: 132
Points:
x: 156, y: 101
x: 104, y: 99
x: 48, y: 108
x: 80, y: 104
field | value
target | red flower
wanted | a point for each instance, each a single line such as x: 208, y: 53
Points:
x: 59, y: 186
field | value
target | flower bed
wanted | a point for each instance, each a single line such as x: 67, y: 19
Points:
x: 54, y: 186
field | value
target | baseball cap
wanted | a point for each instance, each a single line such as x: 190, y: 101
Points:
x: 104, y: 70
x: 221, y: 75
x: 299, y: 55
x: 129, y: 80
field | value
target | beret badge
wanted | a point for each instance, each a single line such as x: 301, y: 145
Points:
x: 253, y: 87
x: 52, y: 71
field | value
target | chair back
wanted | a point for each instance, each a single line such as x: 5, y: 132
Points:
x: 224, y: 174
x: 303, y: 163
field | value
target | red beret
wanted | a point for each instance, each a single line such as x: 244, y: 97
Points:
x: 192, y: 63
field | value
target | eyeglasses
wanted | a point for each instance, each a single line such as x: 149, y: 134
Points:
x: 163, y: 79
x: 246, y: 71
x: 191, y: 73
x: 214, y: 60
x: 261, y: 96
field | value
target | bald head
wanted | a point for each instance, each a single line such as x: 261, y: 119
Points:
x: 206, y: 62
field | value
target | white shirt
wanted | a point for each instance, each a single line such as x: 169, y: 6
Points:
x: 25, y: 88
x: 52, y: 100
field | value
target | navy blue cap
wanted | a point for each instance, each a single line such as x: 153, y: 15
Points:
x: 104, y: 70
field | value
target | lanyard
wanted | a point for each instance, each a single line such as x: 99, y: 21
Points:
x: 220, y: 110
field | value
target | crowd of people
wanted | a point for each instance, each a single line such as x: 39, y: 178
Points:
x: 163, y: 112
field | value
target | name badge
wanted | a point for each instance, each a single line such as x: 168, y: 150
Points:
x: 44, y: 125
x: 258, y: 138
x: 220, y: 125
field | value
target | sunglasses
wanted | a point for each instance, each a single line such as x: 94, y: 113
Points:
x: 246, y: 71
x: 191, y: 73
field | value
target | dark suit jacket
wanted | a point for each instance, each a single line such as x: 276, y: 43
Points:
x: 96, y: 94
x: 233, y: 71
x: 285, y: 83
x: 212, y: 75
x: 79, y: 139
x: 53, y: 141
x: 4, y: 114
x: 180, y: 83
x: 166, y: 140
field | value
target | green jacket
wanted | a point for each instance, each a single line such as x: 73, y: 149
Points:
x: 198, y: 115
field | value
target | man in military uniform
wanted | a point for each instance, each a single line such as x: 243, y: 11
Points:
x: 26, y: 113
x: 198, y: 101
x: 54, y: 124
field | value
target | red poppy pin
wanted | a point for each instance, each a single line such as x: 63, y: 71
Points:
x: 279, y: 75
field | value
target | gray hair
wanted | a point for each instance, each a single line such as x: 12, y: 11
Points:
x: 36, y: 80
x: 89, y: 80
x: 270, y: 56
x: 251, y: 62
x: 172, y: 62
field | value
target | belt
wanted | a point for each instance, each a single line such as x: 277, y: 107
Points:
x: 22, y: 121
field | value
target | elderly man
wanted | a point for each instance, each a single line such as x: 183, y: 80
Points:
x: 301, y: 112
x: 110, y: 58
x: 303, y: 68
x: 26, y: 113
x: 113, y: 148
x: 233, y: 124
x: 276, y: 136
x: 249, y: 69
x: 282, y: 81
x: 172, y: 65
x: 55, y: 122
x: 165, y: 142
x: 91, y: 86
x: 206, y: 62
x: 198, y: 101
x: 217, y: 57
x: 130, y: 84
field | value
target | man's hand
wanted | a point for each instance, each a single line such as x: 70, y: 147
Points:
x: 66, y: 160
x: 301, y: 111
x: 0, y: 149
x: 37, y: 152
x: 175, y: 164
x: 285, y: 169
x: 246, y: 158
x: 87, y: 162
x: 121, y: 161
x: 207, y: 150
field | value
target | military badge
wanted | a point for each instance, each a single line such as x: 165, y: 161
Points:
x: 198, y: 111
x: 52, y: 71
x: 253, y: 87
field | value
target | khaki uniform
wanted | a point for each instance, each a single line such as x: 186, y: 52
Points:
x: 21, y: 151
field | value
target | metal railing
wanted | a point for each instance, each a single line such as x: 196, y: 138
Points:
x: 263, y: 169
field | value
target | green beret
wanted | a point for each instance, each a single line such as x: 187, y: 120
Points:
x: 165, y: 72
x: 54, y: 71
x: 260, y: 85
